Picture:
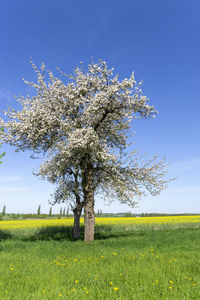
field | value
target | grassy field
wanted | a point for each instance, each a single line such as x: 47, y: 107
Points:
x: 133, y: 258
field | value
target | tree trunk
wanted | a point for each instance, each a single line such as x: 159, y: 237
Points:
x: 89, y: 218
x: 77, y: 214
x: 88, y: 190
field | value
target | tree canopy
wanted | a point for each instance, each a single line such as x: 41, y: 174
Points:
x: 83, y: 125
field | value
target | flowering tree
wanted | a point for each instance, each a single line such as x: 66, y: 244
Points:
x: 1, y: 156
x: 82, y: 126
x: 1, y: 129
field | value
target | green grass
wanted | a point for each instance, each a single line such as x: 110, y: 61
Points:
x: 142, y: 264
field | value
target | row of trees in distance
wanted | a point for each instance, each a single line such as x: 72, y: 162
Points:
x: 64, y: 212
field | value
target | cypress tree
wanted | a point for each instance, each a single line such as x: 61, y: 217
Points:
x: 38, y: 211
x: 64, y: 212
x: 61, y: 211
x: 4, y: 211
x: 50, y: 211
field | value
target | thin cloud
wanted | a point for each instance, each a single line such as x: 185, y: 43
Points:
x: 6, y: 95
x: 13, y: 189
x: 187, y: 165
x: 185, y: 189
x: 9, y: 178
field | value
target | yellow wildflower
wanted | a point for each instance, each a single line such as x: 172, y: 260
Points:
x: 116, y: 288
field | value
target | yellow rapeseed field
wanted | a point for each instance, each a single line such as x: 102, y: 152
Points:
x: 99, y: 221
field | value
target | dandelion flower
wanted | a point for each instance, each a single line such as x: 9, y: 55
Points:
x: 110, y: 282
x: 116, y: 288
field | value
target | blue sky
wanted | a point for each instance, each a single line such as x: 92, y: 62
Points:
x: 159, y: 40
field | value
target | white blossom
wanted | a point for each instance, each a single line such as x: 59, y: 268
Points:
x: 85, y: 118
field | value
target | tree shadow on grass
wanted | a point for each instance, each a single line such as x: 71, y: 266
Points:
x: 56, y: 233
x: 61, y: 233
x: 5, y: 235
x: 109, y: 233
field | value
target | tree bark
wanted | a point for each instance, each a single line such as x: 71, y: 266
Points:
x: 78, y: 209
x: 89, y: 219
x: 88, y: 190
x: 77, y: 214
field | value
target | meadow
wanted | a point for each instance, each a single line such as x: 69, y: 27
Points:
x: 131, y: 258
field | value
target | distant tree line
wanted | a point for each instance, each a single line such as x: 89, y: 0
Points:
x: 65, y: 213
